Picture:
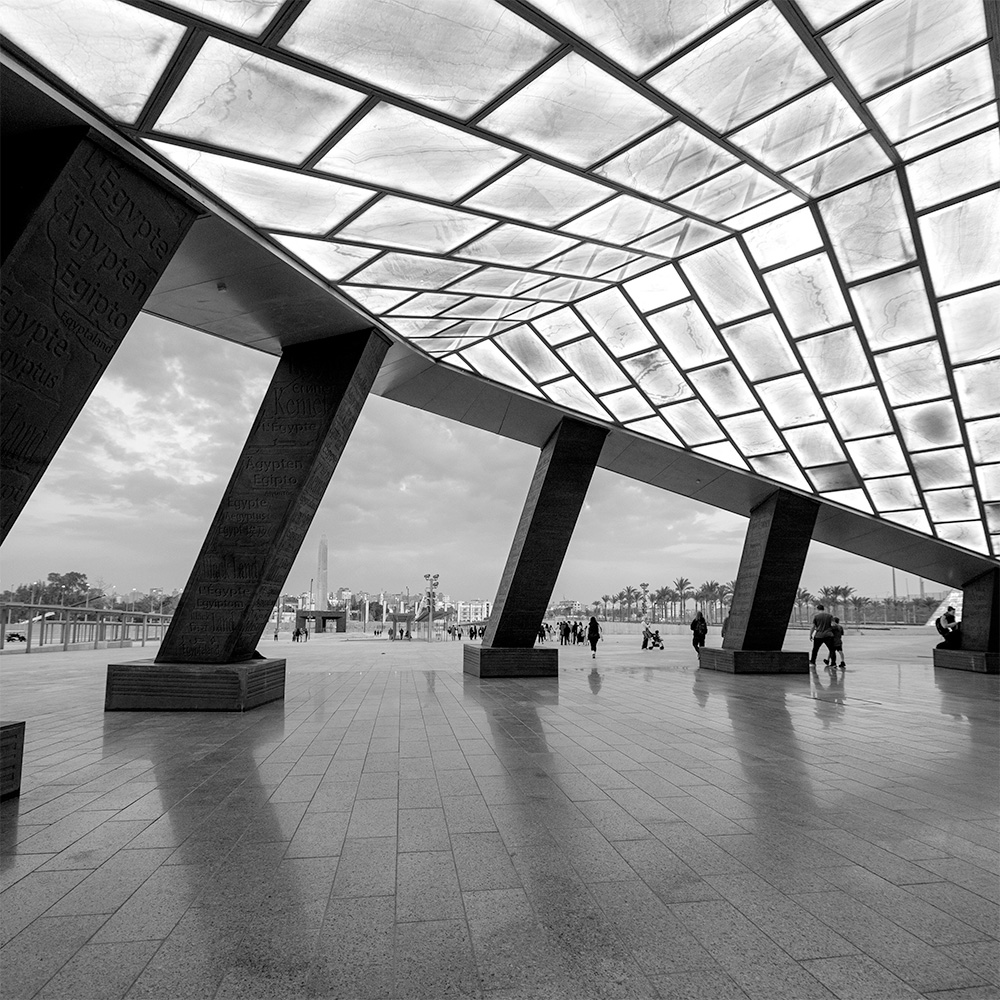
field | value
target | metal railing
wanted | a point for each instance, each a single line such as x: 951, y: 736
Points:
x: 58, y: 626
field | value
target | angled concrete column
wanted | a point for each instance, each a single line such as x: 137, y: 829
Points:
x: 85, y: 237
x: 770, y: 569
x: 980, y: 649
x: 555, y: 498
x: 208, y: 658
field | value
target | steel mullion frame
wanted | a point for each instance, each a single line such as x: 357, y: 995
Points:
x: 367, y: 89
x: 949, y: 367
x: 866, y: 347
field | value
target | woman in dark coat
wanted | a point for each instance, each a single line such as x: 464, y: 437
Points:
x: 593, y: 636
x: 699, y: 629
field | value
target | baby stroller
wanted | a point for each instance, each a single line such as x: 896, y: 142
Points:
x: 656, y: 642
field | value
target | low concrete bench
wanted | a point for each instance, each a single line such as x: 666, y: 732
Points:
x: 11, y: 758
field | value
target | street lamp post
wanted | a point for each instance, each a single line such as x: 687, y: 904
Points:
x: 432, y: 582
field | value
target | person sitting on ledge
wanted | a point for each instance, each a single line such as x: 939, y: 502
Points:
x: 949, y: 630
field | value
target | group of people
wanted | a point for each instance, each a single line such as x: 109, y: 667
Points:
x: 827, y: 631
x: 651, y: 637
x: 574, y: 633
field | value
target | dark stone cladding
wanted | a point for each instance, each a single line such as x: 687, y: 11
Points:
x: 485, y: 662
x: 558, y: 488
x: 85, y: 239
x: 144, y: 685
x: 753, y: 661
x: 774, y: 553
x: 11, y: 758
x: 981, y: 613
x: 976, y: 661
x: 294, y: 445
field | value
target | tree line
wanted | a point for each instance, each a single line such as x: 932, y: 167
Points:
x: 73, y: 590
x: 714, y: 600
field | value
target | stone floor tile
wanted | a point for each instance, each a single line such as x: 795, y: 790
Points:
x: 32, y: 896
x: 354, y: 956
x: 858, y: 977
x: 482, y: 862
x: 423, y: 830
x: 698, y: 985
x: 434, y: 960
x: 35, y: 955
x: 99, y: 972
x: 427, y: 887
x: 367, y: 868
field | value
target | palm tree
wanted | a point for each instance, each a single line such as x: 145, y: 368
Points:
x: 843, y: 593
x: 644, y: 587
x: 710, y: 592
x: 683, y: 587
x: 605, y: 598
x: 803, y: 597
x: 859, y: 604
x: 620, y: 598
x: 828, y: 596
x: 630, y: 595
x: 660, y: 597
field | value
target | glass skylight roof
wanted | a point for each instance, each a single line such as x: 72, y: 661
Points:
x: 766, y: 233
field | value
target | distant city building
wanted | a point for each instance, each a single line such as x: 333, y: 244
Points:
x: 473, y: 611
x: 322, y: 586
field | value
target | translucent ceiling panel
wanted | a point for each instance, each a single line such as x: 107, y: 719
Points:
x: 814, y: 445
x: 411, y: 271
x: 267, y: 196
x: 977, y: 389
x: 110, y: 53
x: 761, y: 347
x: 486, y: 358
x: 955, y: 170
x: 531, y: 354
x: 841, y: 166
x: 487, y: 307
x: 929, y: 425
x: 563, y: 289
x: 782, y: 468
x: 236, y: 99
x: 768, y: 210
x: 988, y: 477
x: 723, y: 389
x: 452, y: 55
x: 627, y: 404
x: 723, y: 451
x: 498, y: 281
x: 915, y: 519
x: 680, y: 238
x: 394, y: 148
x: 800, y: 130
x: 984, y: 439
x: 731, y: 78
x: 692, y: 422
x: 589, y: 260
x: 655, y: 427
x: 936, y: 97
x: 639, y: 35
x: 656, y: 375
x: 878, y: 456
x: 668, y: 162
x: 331, y: 260
x: 893, y: 493
x: 968, y: 534
x: 894, y: 310
x: 972, y: 325
x: 851, y: 498
x: 823, y: 12
x: 951, y: 505
x: 753, y: 433
x: 248, y: 16
x: 575, y: 112
x: 790, y: 401
x: 414, y: 225
x: 895, y: 39
x: 859, y: 413
x: 427, y: 305
x: 939, y: 469
x: 789, y: 236
x: 539, y: 193
x: 593, y: 365
x: 868, y: 227
x: 657, y: 288
x: 944, y: 135
x: 808, y: 296
x: 573, y: 396
x: 516, y: 246
x: 424, y: 329
x: 560, y: 326
x: 833, y: 477
x: 961, y: 243
x: 914, y: 373
x: 631, y: 269
x: 621, y: 220
x: 378, y: 300
x: 688, y: 336
x: 725, y: 282
x: 728, y: 194
x: 616, y: 323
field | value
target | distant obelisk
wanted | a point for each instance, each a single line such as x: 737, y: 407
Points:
x: 322, y: 588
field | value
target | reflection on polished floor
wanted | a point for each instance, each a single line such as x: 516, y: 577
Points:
x: 396, y: 828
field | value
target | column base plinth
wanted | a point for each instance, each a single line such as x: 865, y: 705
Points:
x: 977, y: 661
x: 753, y: 661
x: 148, y: 686
x: 486, y: 661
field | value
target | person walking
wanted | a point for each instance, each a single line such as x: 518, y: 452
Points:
x: 699, y: 629
x: 594, y: 636
x: 821, y: 633
x: 646, y: 635
x: 837, y: 631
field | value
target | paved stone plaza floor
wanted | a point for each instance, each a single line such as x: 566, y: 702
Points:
x: 394, y: 828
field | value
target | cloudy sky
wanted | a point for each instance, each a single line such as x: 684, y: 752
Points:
x: 132, y: 491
